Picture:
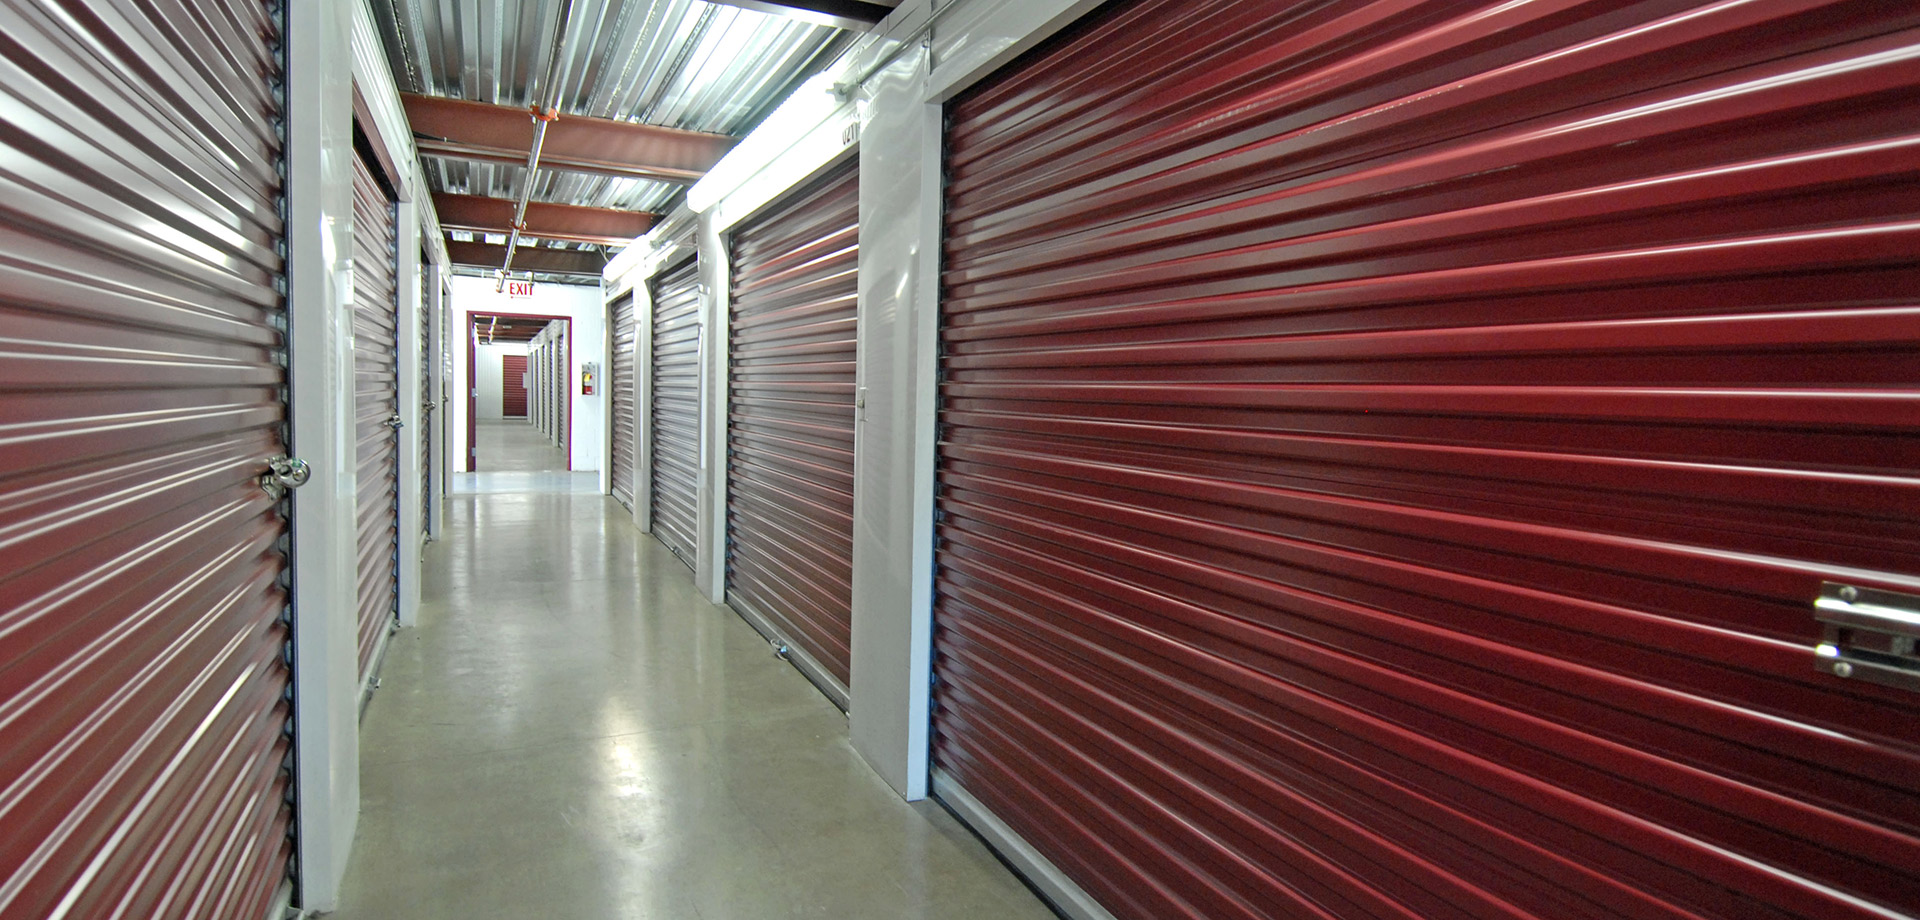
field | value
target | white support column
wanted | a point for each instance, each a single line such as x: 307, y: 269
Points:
x: 320, y: 161
x: 438, y: 395
x: 715, y: 302
x: 412, y: 354
x: 894, y: 450
x: 603, y: 385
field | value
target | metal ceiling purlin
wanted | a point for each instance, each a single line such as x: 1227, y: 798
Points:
x: 601, y: 226
x: 466, y: 271
x: 682, y: 64
x: 503, y: 181
x: 531, y: 259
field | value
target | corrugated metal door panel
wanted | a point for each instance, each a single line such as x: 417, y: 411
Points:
x: 427, y: 403
x: 448, y: 463
x: 562, y: 390
x: 534, y: 404
x: 471, y: 461
x: 376, y: 371
x: 143, y: 639
x: 1389, y: 453
x: 676, y: 409
x: 513, y: 389
x: 549, y: 363
x: 621, y: 392
x: 790, y: 416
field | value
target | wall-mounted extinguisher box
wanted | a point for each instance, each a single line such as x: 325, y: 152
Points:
x: 588, y: 371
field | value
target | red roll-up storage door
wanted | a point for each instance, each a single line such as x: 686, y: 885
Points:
x: 144, y: 725
x: 619, y: 385
x: 427, y: 404
x: 532, y: 387
x: 560, y: 388
x: 539, y: 408
x: 1390, y: 452
x: 376, y: 371
x: 676, y: 409
x: 790, y: 419
x: 543, y: 392
x: 513, y: 386
x: 539, y: 359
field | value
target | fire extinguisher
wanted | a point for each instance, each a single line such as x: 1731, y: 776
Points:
x: 587, y: 370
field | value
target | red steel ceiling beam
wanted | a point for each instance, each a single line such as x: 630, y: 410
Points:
x: 570, y: 223
x: 527, y: 259
x: 462, y: 130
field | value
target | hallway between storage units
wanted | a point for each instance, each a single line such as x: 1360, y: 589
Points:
x: 572, y: 731
x: 512, y: 445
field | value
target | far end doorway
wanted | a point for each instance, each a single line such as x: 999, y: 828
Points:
x: 518, y: 415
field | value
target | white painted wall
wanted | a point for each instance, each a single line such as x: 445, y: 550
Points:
x: 489, y: 368
x: 580, y: 303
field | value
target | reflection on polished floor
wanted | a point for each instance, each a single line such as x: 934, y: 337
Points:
x: 573, y: 732
x: 514, y: 445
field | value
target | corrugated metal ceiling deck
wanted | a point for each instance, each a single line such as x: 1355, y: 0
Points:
x: 673, y: 63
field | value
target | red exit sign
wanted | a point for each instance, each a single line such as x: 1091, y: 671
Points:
x: 519, y: 289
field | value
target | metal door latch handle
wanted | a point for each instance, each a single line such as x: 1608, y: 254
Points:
x: 394, y: 422
x: 284, y: 473
x: 427, y: 406
x: 1870, y: 634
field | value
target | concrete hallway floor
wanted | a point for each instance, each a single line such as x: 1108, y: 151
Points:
x: 573, y: 732
x: 514, y: 445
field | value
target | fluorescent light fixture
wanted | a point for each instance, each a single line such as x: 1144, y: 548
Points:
x: 809, y: 106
